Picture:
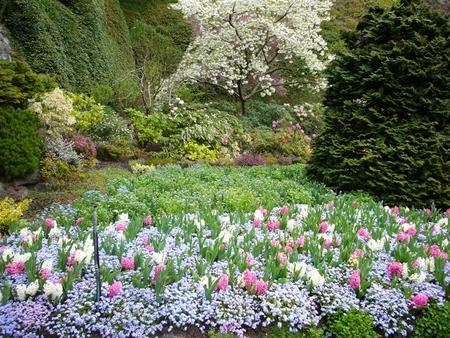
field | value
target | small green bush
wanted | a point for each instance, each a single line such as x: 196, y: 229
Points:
x: 283, y: 332
x: 354, y: 323
x: 57, y: 171
x: 435, y: 322
x: 20, y: 145
x: 115, y: 152
x: 18, y: 83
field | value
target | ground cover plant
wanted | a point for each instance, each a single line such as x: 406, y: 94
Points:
x: 293, y: 265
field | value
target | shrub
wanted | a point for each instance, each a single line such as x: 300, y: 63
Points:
x: 387, y: 123
x: 84, y: 146
x: 18, y: 83
x: 87, y: 111
x: 283, y: 332
x: 194, y: 151
x: 354, y: 323
x: 435, y: 322
x: 20, y: 145
x: 11, y: 212
x: 138, y: 167
x: 115, y: 152
x: 110, y: 128
x: 54, y: 110
x: 57, y: 171
x: 248, y: 159
x: 62, y: 150
x: 153, y: 128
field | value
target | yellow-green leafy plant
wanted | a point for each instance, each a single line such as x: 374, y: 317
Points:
x: 56, y: 171
x: 11, y: 212
x: 87, y: 111
x: 194, y: 151
x: 140, y: 168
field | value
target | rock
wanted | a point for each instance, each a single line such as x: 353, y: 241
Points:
x: 5, y: 47
x: 29, y: 180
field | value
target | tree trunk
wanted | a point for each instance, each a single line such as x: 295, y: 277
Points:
x: 242, y: 98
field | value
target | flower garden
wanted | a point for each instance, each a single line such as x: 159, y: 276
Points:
x: 220, y: 169
x: 235, y: 268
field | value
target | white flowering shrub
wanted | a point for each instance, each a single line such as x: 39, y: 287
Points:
x: 241, y: 46
x: 54, y: 111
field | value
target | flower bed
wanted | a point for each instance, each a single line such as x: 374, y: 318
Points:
x: 292, y: 266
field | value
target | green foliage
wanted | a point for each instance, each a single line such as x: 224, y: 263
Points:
x: 435, y: 322
x: 84, y: 42
x: 387, y: 119
x: 18, y: 83
x: 20, y: 145
x: 102, y: 94
x: 283, y: 332
x: 194, y: 151
x: 262, y: 114
x: 153, y: 128
x: 344, y: 18
x: 11, y: 212
x: 111, y: 128
x: 354, y: 323
x: 56, y: 171
x: 116, y: 152
x: 172, y: 189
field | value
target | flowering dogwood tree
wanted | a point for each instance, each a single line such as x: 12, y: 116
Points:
x: 242, y: 46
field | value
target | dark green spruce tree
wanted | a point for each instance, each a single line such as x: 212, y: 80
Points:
x: 388, y: 109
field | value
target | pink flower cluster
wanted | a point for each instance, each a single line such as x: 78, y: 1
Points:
x: 127, y: 263
x: 355, y: 279
x: 273, y: 225
x: 364, y: 234
x: 420, y: 300
x: 49, y: 223
x: 148, y: 220
x: 121, y: 226
x: 160, y: 267
x: 114, y: 289
x: 395, y: 268
x: 435, y: 251
x: 223, y: 282
x: 15, y: 268
x: 45, y: 273
x: 252, y: 282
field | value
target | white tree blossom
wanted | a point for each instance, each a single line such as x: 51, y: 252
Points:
x: 242, y: 45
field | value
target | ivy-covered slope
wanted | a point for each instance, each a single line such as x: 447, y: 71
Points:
x: 83, y: 42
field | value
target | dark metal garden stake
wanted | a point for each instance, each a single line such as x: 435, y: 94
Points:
x: 98, y: 281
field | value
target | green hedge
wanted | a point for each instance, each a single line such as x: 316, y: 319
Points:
x: 387, y: 109
x: 83, y: 42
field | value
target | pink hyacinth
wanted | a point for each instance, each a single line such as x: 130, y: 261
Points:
x: 160, y: 267
x: 358, y: 252
x: 15, y: 268
x: 443, y: 255
x: 434, y: 250
x: 263, y: 211
x: 145, y: 240
x: 300, y: 241
x: 395, y: 268
x: 447, y: 213
x: 148, y: 220
x: 45, y: 273
x: 323, y: 227
x: 330, y: 204
x: 395, y: 210
x: 411, y: 231
x: 289, y: 249
x: 428, y: 212
x: 404, y: 220
x: 415, y: 264
x: 261, y: 287
x: 148, y: 248
x: 257, y: 222
x: 275, y: 243
x: 114, y: 289
x: 49, y: 223
x: 284, y: 210
x: 402, y: 237
x: 127, y: 263
x: 249, y: 277
x: 420, y: 300
x: 71, y: 260
x: 282, y: 258
x: 121, y: 226
x: 223, y: 282
x: 363, y: 233
x: 327, y: 243
x: 355, y: 279
x: 273, y: 225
